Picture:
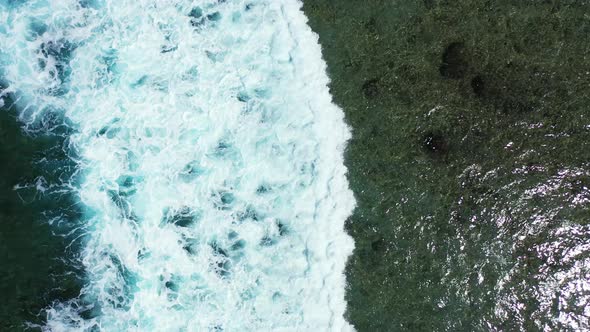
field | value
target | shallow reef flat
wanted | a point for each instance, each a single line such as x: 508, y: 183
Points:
x: 469, y: 161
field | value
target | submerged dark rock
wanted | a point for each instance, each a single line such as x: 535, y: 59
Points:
x: 435, y: 143
x: 454, y: 61
x: 379, y: 245
x: 478, y: 86
x: 371, y: 88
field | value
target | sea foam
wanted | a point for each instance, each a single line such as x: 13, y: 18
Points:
x: 211, y: 157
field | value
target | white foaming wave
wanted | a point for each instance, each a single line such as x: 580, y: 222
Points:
x: 213, y: 162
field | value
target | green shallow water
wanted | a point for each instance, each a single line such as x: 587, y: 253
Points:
x: 470, y: 161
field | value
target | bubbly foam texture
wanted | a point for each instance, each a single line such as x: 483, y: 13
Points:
x: 211, y: 154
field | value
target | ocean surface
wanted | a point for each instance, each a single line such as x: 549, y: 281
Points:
x: 170, y: 166
x: 179, y: 165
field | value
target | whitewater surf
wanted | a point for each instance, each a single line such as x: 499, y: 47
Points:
x: 209, y: 160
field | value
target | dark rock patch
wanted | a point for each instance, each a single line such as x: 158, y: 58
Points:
x: 371, y: 88
x: 435, y: 143
x: 379, y: 245
x: 478, y: 86
x: 454, y: 64
x: 371, y: 26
